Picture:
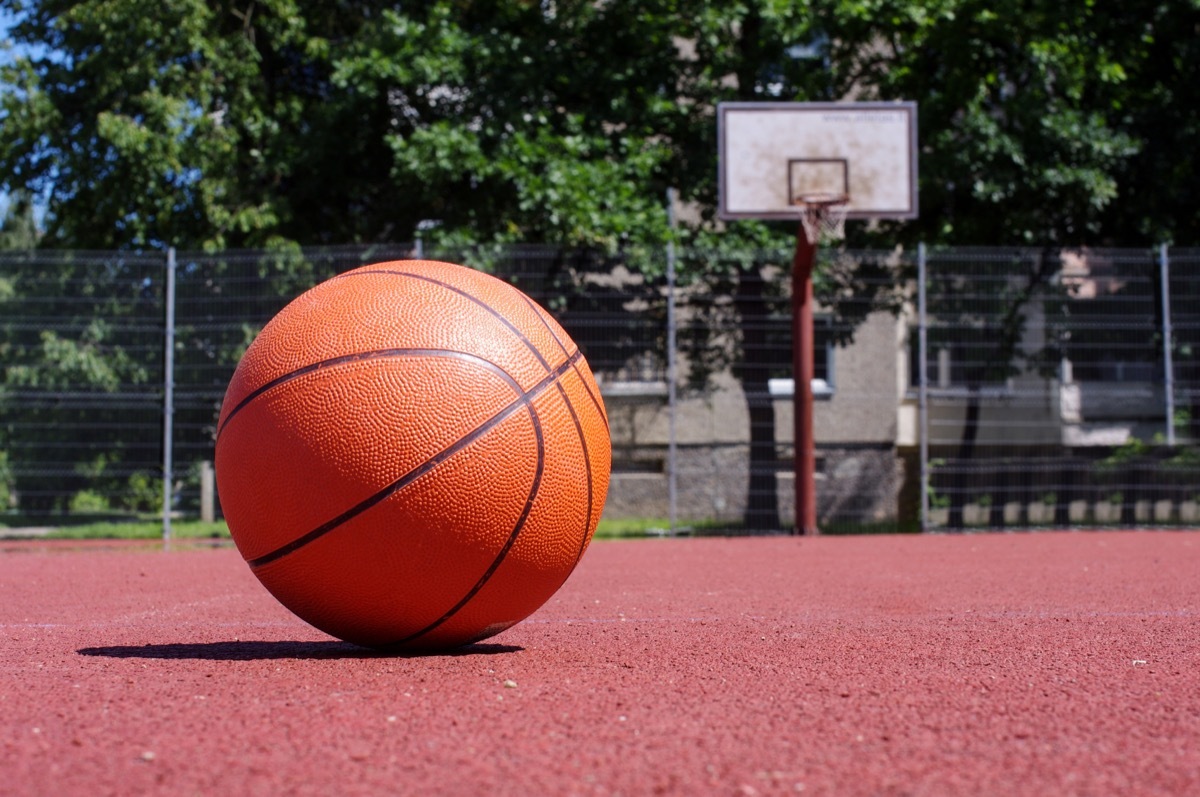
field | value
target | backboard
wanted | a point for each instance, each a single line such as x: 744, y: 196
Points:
x: 772, y: 153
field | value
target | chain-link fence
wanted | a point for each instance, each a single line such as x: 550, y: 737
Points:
x: 1050, y: 397
x: 81, y: 345
x: 1020, y: 388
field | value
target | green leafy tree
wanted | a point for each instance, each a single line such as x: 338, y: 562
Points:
x: 282, y: 122
x: 1042, y: 124
x: 1023, y: 137
x: 209, y: 125
x: 18, y: 227
x: 194, y: 124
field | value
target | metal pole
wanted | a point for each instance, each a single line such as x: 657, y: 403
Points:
x: 168, y: 465
x: 923, y: 385
x: 672, y: 475
x: 802, y: 376
x: 1164, y: 268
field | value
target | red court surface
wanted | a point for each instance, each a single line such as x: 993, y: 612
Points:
x: 1049, y: 663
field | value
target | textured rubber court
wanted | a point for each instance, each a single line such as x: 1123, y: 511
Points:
x: 1049, y: 663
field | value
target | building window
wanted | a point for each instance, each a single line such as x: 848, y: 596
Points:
x: 824, y: 349
x: 959, y: 364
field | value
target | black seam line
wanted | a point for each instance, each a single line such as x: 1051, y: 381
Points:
x: 512, y: 328
x: 595, y: 399
x: 563, y: 347
x: 512, y: 537
x: 587, y: 465
x: 534, y: 309
x: 376, y: 354
x: 523, y: 399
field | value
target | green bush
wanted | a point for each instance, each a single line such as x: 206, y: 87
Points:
x: 88, y: 502
x: 8, y: 498
x: 143, y: 493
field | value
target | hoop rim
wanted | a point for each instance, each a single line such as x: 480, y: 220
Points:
x: 820, y: 199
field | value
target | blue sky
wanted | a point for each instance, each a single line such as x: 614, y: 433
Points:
x: 5, y: 22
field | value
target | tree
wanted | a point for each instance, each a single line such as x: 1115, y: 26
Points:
x: 18, y: 228
x: 187, y: 123
x: 197, y: 124
x: 502, y: 121
x: 1044, y: 124
x: 283, y: 122
x: 979, y: 317
x: 1021, y: 144
x: 1154, y: 94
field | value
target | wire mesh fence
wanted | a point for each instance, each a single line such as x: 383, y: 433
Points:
x: 1053, y: 388
x: 1050, y: 391
x: 80, y: 410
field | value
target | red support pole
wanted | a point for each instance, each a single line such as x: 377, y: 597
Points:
x: 802, y: 373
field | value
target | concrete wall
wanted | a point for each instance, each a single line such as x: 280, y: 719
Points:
x: 859, y: 475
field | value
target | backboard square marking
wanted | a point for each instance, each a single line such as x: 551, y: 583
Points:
x: 817, y: 176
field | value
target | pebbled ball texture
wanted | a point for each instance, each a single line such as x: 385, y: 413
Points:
x: 413, y: 456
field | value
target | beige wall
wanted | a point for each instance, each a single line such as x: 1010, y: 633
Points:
x: 862, y: 409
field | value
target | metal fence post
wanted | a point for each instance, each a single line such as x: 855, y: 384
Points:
x: 672, y: 478
x: 1164, y: 270
x: 923, y: 385
x: 168, y: 465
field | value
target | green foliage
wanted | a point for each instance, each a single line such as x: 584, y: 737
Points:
x: 137, y: 530
x: 88, y: 502
x: 1128, y: 452
x: 8, y: 498
x: 1042, y: 123
x: 209, y: 126
x: 181, y: 122
x: 1184, y: 459
x: 80, y: 341
x: 143, y: 494
x: 18, y: 228
x: 67, y: 363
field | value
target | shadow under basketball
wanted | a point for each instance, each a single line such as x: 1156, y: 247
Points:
x: 255, y: 650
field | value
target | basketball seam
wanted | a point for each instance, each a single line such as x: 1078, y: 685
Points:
x: 553, y: 334
x: 587, y: 459
x: 491, y: 310
x: 587, y: 464
x: 374, y: 354
x: 595, y: 399
x: 496, y: 314
x: 523, y: 399
x: 512, y: 537
x: 534, y: 308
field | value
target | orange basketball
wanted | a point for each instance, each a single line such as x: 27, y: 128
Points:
x: 412, y: 455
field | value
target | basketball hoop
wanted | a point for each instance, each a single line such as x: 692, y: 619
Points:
x: 823, y: 216
x: 780, y: 160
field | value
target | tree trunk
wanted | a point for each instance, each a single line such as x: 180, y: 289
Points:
x: 762, y: 505
x: 1131, y: 492
x: 966, y: 451
x: 1065, y: 492
x: 1000, y: 495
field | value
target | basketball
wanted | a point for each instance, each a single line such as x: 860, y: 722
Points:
x: 412, y: 456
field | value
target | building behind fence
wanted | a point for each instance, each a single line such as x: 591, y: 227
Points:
x: 1024, y: 388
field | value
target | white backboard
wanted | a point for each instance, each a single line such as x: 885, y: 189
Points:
x: 771, y: 152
